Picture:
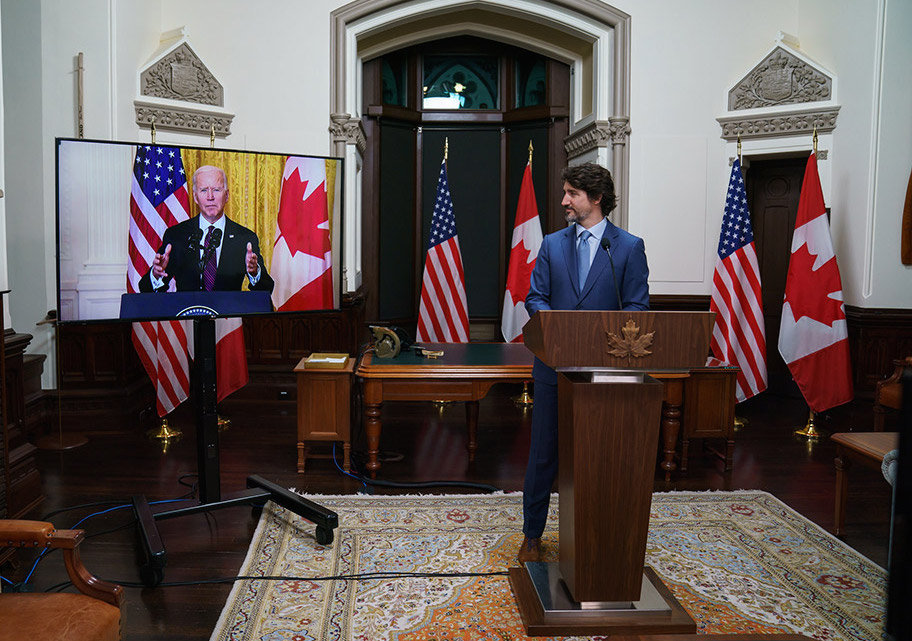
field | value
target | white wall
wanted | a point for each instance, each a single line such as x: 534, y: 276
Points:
x: 868, y: 44
x: 685, y: 58
x: 28, y: 253
x: 273, y: 60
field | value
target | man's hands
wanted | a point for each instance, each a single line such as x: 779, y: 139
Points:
x: 160, y: 264
x: 253, y: 266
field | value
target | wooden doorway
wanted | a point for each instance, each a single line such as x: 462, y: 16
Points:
x: 773, y: 191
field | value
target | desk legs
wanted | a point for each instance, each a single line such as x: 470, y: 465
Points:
x: 372, y: 427
x: 671, y: 423
x: 842, y: 466
x: 471, y: 411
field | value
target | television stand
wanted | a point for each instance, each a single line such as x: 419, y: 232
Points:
x: 259, y: 490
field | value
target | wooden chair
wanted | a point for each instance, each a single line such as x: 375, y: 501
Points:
x: 92, y: 615
x: 888, y: 393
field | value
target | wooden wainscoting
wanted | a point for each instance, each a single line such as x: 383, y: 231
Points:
x: 877, y: 336
x: 105, y: 387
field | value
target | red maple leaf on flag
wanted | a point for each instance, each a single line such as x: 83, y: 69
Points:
x: 825, y: 281
x: 301, y: 233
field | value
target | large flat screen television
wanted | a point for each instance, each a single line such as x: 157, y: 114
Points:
x: 152, y: 232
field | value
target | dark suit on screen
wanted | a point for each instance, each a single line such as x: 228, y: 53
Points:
x: 555, y: 285
x: 183, y: 263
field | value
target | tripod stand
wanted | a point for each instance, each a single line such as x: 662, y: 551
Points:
x: 203, y: 392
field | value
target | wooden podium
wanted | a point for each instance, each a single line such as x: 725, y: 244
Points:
x: 608, y: 413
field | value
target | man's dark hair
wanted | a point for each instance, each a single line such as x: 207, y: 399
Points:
x: 595, y: 180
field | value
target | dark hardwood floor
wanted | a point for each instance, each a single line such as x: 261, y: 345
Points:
x: 420, y: 443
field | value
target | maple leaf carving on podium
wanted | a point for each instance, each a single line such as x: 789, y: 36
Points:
x: 632, y: 344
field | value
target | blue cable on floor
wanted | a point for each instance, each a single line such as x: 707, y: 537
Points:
x: 85, y: 518
x: 339, y: 467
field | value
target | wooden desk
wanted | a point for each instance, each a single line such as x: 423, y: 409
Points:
x: 464, y: 373
x: 867, y: 448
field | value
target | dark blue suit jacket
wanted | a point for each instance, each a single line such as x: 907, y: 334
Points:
x: 555, y: 279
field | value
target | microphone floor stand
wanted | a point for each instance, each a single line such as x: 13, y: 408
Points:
x: 204, y: 394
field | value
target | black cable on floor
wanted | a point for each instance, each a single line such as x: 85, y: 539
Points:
x: 364, y: 576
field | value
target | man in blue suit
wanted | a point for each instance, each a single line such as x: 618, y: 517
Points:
x: 589, y: 265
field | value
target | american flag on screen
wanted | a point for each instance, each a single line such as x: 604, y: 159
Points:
x: 738, y: 337
x: 158, y: 199
x: 443, y: 314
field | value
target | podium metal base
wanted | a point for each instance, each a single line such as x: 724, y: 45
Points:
x: 547, y: 609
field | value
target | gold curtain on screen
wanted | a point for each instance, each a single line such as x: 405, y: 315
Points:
x: 254, y: 189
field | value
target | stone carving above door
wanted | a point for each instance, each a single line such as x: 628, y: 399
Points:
x: 785, y: 94
x: 181, y: 75
x: 179, y: 93
x: 780, y: 79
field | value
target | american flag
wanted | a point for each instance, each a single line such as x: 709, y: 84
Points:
x: 443, y: 314
x: 739, y: 337
x: 158, y: 199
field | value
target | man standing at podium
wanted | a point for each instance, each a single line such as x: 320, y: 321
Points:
x: 210, y: 251
x: 590, y: 265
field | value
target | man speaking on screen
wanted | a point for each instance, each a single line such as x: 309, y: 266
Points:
x: 209, y: 252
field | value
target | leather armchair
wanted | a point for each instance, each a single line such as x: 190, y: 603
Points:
x: 888, y: 393
x: 94, y: 614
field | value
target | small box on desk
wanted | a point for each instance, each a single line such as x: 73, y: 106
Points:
x: 323, y: 360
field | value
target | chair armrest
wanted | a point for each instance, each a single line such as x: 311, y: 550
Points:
x: 20, y: 534
x: 40, y: 534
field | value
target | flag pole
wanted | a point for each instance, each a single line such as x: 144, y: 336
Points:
x: 524, y: 399
x: 810, y: 430
x: 739, y: 147
x: 153, y: 130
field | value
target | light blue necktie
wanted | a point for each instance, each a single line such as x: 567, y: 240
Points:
x: 583, y: 257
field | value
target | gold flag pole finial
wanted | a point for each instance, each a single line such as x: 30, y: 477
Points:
x: 739, y: 147
x: 446, y: 148
x: 153, y: 131
x: 212, y: 136
x: 815, y: 141
x: 530, y: 152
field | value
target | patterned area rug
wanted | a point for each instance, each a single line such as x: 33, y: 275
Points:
x: 739, y: 562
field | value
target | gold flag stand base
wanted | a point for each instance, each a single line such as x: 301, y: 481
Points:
x: 740, y: 423
x: 223, y: 423
x: 524, y: 399
x: 810, y: 431
x: 59, y: 442
x: 164, y: 431
x: 442, y: 405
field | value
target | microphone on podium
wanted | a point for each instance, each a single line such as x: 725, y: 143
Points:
x: 606, y: 245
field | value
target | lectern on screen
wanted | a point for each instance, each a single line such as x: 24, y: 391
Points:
x: 117, y: 200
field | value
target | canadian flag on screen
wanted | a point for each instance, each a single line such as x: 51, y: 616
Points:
x: 813, y: 334
x: 527, y: 238
x: 302, y: 252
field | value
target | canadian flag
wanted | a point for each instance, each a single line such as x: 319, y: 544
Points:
x: 527, y: 238
x: 302, y: 252
x: 230, y: 356
x: 813, y: 334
